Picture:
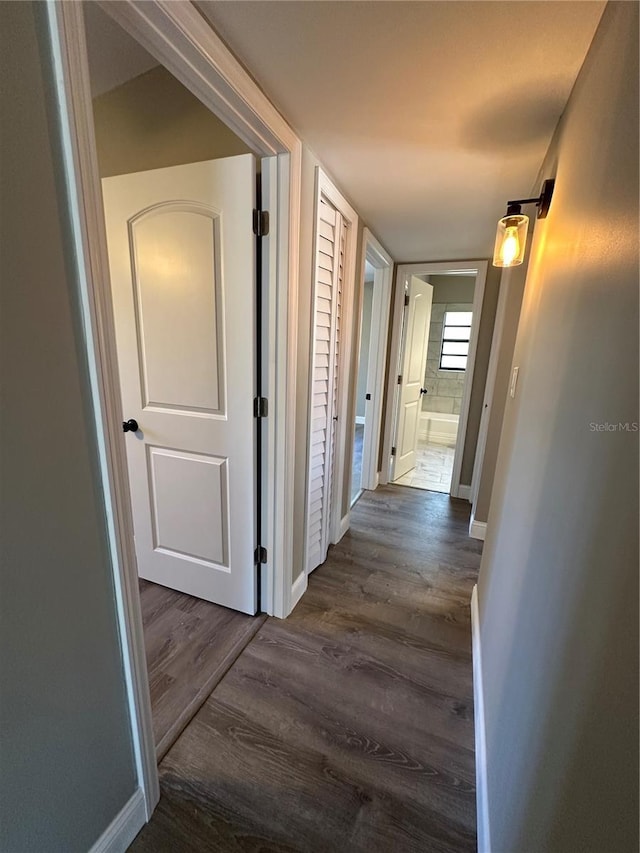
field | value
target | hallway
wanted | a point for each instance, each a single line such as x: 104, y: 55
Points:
x: 349, y: 726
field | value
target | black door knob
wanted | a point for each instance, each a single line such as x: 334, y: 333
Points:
x: 130, y: 426
x: 423, y: 391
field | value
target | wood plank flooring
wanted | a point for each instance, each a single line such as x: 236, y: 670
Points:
x: 189, y: 645
x: 348, y: 726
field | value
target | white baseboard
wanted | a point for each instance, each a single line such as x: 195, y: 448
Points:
x: 360, y: 419
x: 345, y: 524
x: 482, y: 802
x: 124, y: 827
x: 477, y: 529
x: 463, y: 492
x: 298, y: 589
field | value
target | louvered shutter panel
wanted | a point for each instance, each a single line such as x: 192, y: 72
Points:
x: 328, y: 293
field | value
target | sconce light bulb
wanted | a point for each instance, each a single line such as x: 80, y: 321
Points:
x: 510, y: 246
x: 511, y: 239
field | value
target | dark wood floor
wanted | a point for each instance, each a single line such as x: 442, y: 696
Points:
x: 189, y: 645
x: 349, y: 726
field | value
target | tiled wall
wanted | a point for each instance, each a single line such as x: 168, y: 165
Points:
x: 444, y: 387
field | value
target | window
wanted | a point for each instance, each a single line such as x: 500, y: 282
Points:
x: 456, y: 332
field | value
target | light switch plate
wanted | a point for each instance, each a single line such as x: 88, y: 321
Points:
x: 514, y: 381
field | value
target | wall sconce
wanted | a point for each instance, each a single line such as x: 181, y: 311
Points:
x: 511, y: 236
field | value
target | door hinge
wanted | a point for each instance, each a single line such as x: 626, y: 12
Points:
x: 406, y: 299
x: 399, y: 379
x: 260, y: 222
x: 393, y: 451
x: 260, y: 407
x: 260, y: 555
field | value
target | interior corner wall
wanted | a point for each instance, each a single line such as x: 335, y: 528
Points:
x: 558, y: 585
x: 483, y: 352
x: 153, y: 121
x: 65, y: 740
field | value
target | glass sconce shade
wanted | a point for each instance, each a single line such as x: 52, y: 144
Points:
x: 511, y: 239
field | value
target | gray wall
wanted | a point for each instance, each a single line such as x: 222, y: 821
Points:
x: 558, y: 588
x: 445, y: 387
x: 365, y: 339
x: 511, y: 292
x: 154, y: 121
x: 483, y: 351
x: 67, y: 765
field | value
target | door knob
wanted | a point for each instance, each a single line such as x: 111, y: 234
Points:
x: 423, y: 391
x: 130, y: 426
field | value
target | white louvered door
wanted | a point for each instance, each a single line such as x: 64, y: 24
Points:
x: 329, y: 277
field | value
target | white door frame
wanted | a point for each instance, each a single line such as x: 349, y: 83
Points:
x: 179, y: 37
x: 477, y: 530
x: 403, y: 273
x: 382, y: 262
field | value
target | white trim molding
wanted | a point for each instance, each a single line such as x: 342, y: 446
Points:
x: 299, y: 588
x: 482, y: 802
x: 124, y: 827
x: 342, y: 471
x: 478, y: 268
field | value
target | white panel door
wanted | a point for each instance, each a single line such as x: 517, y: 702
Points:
x: 329, y: 276
x: 414, y: 358
x: 182, y: 255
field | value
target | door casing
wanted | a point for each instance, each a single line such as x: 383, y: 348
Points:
x: 382, y: 262
x: 182, y: 41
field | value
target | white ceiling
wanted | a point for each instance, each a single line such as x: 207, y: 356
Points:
x: 429, y: 115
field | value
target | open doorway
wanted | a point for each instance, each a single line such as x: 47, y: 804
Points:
x: 362, y: 394
x: 438, y: 307
x: 374, y: 309
x: 178, y: 191
x: 448, y: 335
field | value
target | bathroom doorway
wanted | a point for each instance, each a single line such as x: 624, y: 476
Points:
x: 374, y: 309
x: 435, y: 360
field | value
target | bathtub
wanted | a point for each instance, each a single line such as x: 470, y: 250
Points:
x: 438, y: 428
